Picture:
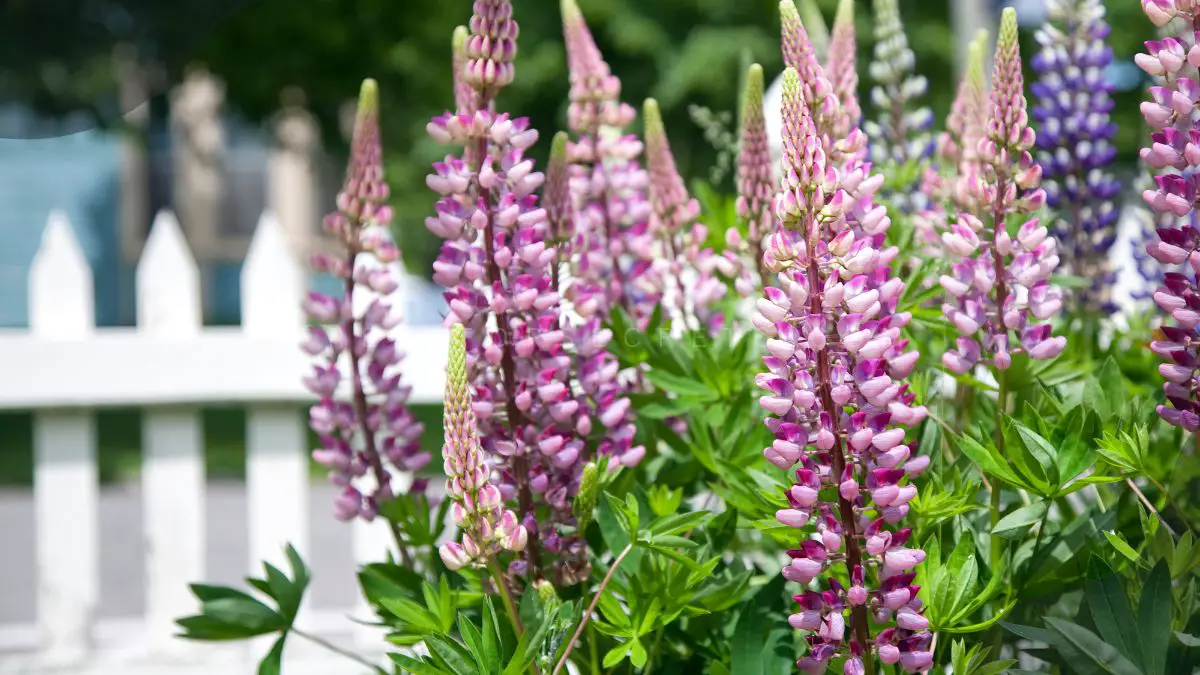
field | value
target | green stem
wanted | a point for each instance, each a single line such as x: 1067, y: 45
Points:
x: 505, y: 596
x: 1001, y: 408
x: 653, y: 651
x: 594, y: 648
x: 338, y: 650
x: 583, y: 621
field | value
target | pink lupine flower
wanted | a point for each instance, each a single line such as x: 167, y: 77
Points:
x: 842, y: 66
x: 832, y: 391
x: 684, y: 270
x: 1174, y: 153
x: 478, y: 512
x: 999, y: 291
x: 755, y: 182
x: 372, y: 433
x: 498, y: 266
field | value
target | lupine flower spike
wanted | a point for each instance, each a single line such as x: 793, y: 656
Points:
x: 798, y: 53
x: 496, y: 266
x: 684, y: 272
x: 842, y: 66
x: 818, y: 32
x: 373, y: 433
x: 834, y: 397
x: 1075, y: 141
x: 756, y: 185
x: 900, y: 134
x: 612, y: 243
x: 478, y: 511
x: 1000, y: 299
x: 1175, y: 153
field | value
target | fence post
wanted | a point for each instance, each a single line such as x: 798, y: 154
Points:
x: 62, y: 307
x: 168, y: 308
x: 273, y: 285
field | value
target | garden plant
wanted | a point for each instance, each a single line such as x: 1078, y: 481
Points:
x: 878, y: 412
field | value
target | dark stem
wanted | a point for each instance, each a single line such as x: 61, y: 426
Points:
x: 516, y: 421
x: 350, y: 328
x: 858, y: 613
x: 337, y: 650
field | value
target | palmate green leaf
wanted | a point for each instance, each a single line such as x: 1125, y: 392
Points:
x: 678, y: 523
x: 1110, y: 609
x: 682, y: 385
x: 1092, y: 648
x: 1019, y: 522
x: 450, y: 655
x: 1118, y: 542
x: 417, y: 666
x: 272, y: 663
x: 990, y: 461
x: 1154, y: 620
x: 250, y: 615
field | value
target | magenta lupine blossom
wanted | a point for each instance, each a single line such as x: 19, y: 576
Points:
x: 842, y: 66
x: 1175, y: 154
x: 486, y: 526
x: 1000, y: 299
x: 834, y: 395
x: 684, y: 271
x: 372, y: 433
x: 755, y: 183
x: 612, y: 243
x: 496, y: 265
x: 798, y: 53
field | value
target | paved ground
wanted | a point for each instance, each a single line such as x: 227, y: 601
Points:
x: 122, y: 572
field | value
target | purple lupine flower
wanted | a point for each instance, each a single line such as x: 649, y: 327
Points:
x: 755, y: 183
x: 818, y: 91
x: 374, y: 432
x: 835, y: 358
x: 1175, y: 153
x: 814, y: 22
x: 608, y: 184
x: 1075, y: 133
x: 496, y: 265
x: 478, y: 512
x: 842, y: 66
x: 999, y: 288
x: 684, y: 270
x: 900, y: 133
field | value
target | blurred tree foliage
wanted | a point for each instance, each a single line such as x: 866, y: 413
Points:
x: 682, y: 52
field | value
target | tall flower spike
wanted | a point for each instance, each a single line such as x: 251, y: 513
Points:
x: 478, y: 512
x: 372, y: 433
x: 464, y: 93
x: 608, y: 186
x: 756, y: 183
x: 816, y: 88
x: 1075, y: 141
x: 491, y: 47
x: 900, y: 133
x: 1175, y: 154
x: 842, y: 66
x: 1000, y: 298
x: 833, y: 396
x: 684, y: 275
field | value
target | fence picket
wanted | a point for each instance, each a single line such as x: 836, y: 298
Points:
x: 169, y: 302
x: 276, y: 442
x: 62, y: 308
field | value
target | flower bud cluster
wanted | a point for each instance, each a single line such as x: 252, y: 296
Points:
x: 373, y: 432
x: 478, y: 511
x: 834, y: 393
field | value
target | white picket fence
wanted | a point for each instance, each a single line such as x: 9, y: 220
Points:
x: 64, y: 368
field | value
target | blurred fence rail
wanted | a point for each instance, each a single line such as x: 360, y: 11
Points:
x: 63, y: 368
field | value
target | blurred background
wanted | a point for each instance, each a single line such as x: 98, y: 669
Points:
x: 112, y: 111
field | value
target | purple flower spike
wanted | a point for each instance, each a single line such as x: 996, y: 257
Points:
x: 611, y: 243
x: 834, y: 394
x: 1174, y: 155
x: 998, y: 291
x: 842, y: 66
x: 818, y: 91
x: 372, y: 433
x: 1075, y: 133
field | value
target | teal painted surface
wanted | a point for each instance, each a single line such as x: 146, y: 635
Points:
x: 78, y: 174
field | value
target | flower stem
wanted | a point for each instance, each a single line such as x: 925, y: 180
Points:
x: 338, y: 650
x: 583, y: 621
x: 505, y: 596
x: 1001, y: 408
x: 1133, y: 486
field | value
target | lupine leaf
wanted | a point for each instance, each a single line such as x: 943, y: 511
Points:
x: 1154, y: 620
x: 1085, y: 642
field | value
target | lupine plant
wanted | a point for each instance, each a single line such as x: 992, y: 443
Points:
x: 878, y: 427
